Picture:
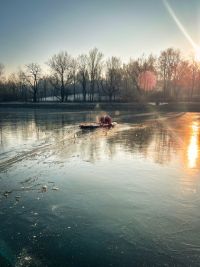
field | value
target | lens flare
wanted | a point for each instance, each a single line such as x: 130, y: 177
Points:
x: 147, y: 80
x: 183, y: 30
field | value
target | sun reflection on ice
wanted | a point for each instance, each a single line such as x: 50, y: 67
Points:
x: 193, y: 148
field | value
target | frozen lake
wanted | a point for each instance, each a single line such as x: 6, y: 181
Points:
x: 128, y: 196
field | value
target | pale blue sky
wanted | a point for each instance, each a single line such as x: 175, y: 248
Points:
x: 33, y: 30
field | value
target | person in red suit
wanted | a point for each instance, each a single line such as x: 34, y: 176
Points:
x: 106, y: 119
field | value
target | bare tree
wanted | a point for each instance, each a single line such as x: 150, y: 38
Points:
x: 83, y: 74
x: 44, y: 84
x: 168, y: 63
x: 198, y: 82
x: 180, y: 78
x: 113, y: 77
x: 22, y: 85
x: 194, y: 68
x: 127, y: 93
x: 55, y: 83
x: 13, y: 85
x: 2, y: 84
x: 74, y: 66
x: 100, y: 80
x: 1, y: 70
x: 134, y: 69
x: 60, y: 65
x: 33, y: 74
x: 94, y: 60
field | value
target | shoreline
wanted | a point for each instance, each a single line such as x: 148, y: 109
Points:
x: 171, y: 107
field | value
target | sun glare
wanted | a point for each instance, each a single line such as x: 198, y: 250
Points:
x: 193, y: 147
x: 197, y: 54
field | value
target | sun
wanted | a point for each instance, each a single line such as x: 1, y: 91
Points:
x: 197, y: 54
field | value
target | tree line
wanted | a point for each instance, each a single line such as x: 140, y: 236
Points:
x: 90, y: 77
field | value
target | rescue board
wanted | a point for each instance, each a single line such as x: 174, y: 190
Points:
x: 94, y: 125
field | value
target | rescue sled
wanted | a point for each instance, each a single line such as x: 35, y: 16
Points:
x: 94, y: 125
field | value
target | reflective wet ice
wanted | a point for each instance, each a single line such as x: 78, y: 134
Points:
x: 127, y: 196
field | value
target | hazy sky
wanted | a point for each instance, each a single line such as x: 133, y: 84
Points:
x: 33, y: 30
